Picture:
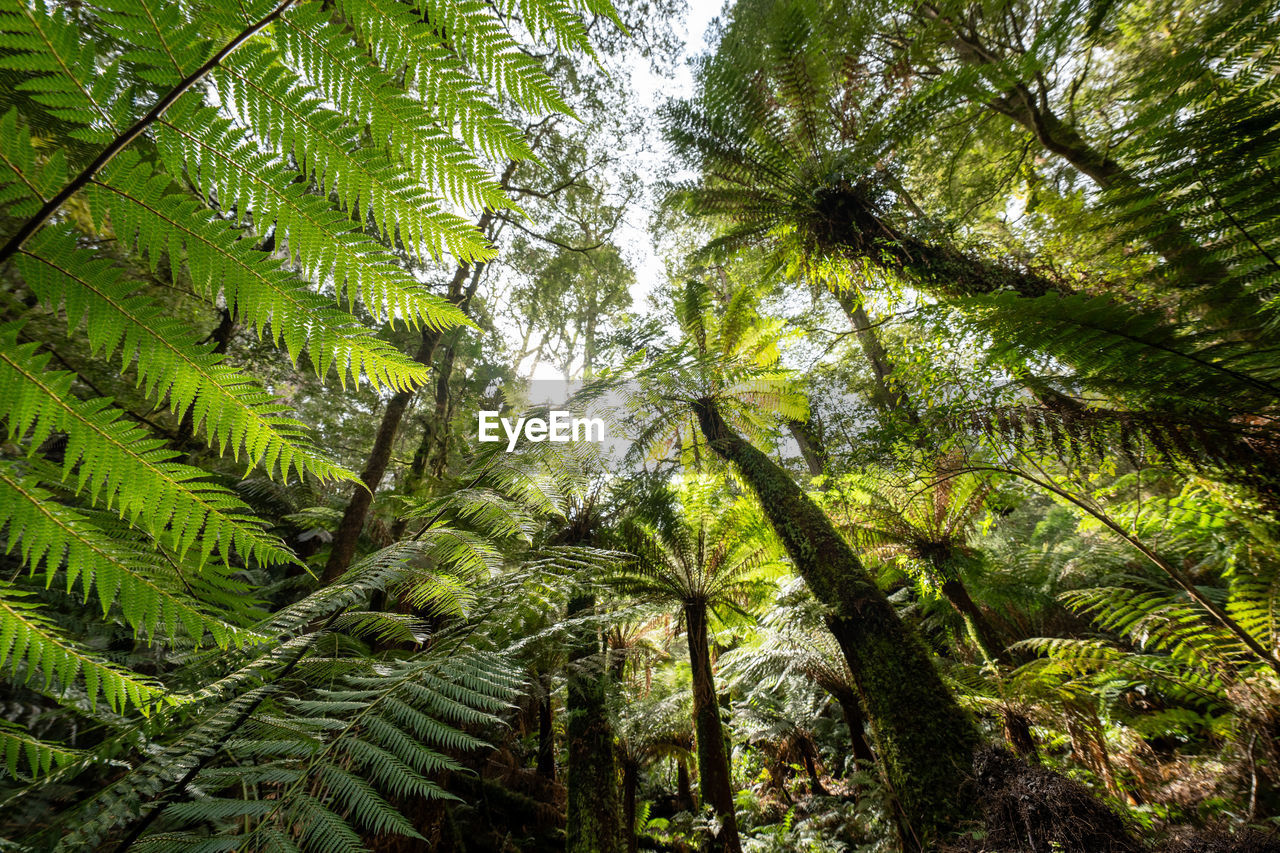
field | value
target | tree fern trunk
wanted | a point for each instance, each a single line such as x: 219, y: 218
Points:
x: 713, y: 758
x: 629, y: 783
x: 982, y: 632
x: 809, y: 755
x: 546, y: 733
x: 593, y: 820
x: 684, y: 789
x: 925, y: 742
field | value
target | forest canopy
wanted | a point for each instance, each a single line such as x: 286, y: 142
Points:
x: 537, y: 425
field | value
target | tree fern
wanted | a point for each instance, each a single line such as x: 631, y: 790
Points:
x: 284, y: 163
x: 173, y: 502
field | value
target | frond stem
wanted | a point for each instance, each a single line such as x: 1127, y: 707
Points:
x: 118, y: 144
x: 1188, y: 586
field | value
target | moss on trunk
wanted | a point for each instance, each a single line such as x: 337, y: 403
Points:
x: 924, y: 741
x: 594, y: 818
x: 713, y: 757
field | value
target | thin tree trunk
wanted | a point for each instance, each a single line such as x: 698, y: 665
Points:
x: 812, y: 448
x: 684, y: 790
x: 432, y: 425
x: 349, y: 529
x: 857, y: 723
x: 713, y: 758
x: 809, y: 755
x: 886, y: 398
x: 546, y: 733
x: 347, y: 536
x: 924, y: 740
x: 629, y: 784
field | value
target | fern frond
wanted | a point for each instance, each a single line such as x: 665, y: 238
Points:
x: 326, y: 245
x: 284, y: 113
x: 30, y: 641
x: 46, y: 532
x: 40, y: 756
x: 64, y: 74
x: 231, y: 409
x: 252, y: 284
x: 367, y: 95
x: 174, y: 503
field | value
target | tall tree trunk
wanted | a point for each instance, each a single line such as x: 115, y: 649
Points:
x: 349, y: 529
x: 630, y: 781
x: 434, y: 423
x: 713, y: 758
x: 546, y: 733
x: 684, y: 790
x: 593, y: 820
x: 441, y: 414
x: 925, y: 742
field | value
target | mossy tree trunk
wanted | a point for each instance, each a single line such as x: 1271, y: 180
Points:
x: 630, y: 781
x: 857, y: 723
x: 593, y: 821
x: 713, y: 757
x: 684, y: 789
x: 924, y: 740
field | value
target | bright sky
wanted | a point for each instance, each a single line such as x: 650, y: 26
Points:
x: 651, y: 90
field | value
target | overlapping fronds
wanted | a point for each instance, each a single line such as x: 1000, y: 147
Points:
x: 65, y: 545
x: 285, y: 166
x: 342, y: 756
x: 34, y: 647
x: 112, y: 462
x: 696, y: 546
x: 1123, y: 351
x: 1205, y: 159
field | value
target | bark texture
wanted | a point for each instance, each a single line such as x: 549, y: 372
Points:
x: 924, y: 740
x: 713, y: 757
x: 594, y: 818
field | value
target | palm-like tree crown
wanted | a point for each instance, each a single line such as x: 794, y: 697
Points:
x: 698, y: 545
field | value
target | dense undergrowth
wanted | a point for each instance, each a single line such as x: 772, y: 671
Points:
x: 939, y: 510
